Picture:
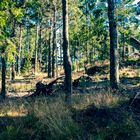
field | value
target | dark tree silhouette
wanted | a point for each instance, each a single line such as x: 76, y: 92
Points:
x: 3, y: 83
x: 66, y: 54
x: 114, y: 62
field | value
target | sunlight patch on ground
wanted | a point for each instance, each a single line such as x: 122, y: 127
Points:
x: 13, y: 114
x: 130, y: 72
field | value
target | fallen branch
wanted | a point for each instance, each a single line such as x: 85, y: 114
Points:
x: 44, y: 89
x: 95, y: 69
x: 135, y: 101
x: 76, y: 82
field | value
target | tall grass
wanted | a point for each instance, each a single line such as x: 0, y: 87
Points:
x: 45, y: 118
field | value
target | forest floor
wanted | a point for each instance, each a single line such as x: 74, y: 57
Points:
x: 97, y: 112
x: 129, y: 82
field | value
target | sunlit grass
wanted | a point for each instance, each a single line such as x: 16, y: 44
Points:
x: 49, y: 118
x: 99, y: 99
x: 130, y: 72
x: 13, y: 108
x: 45, y: 117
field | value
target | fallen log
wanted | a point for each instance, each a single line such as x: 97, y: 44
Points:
x: 45, y: 89
x: 96, y: 69
x: 84, y: 78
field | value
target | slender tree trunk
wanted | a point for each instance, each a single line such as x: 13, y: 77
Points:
x: 104, y: 52
x: 87, y: 54
x: 27, y: 39
x: 66, y: 53
x: 123, y: 47
x: 22, y: 56
x: 3, y: 83
x: 87, y: 31
x: 46, y: 52
x: 94, y: 54
x: 49, y: 51
x: 56, y: 61
x: 13, y: 71
x: 36, y: 50
x: 40, y: 47
x: 28, y: 49
x: 91, y: 56
x: 114, y: 62
x: 19, y: 52
x: 61, y: 52
x: 54, y: 42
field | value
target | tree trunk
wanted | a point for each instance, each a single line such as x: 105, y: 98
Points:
x: 54, y: 42
x: 36, y: 50
x: 49, y: 51
x: 46, y: 52
x: 19, y: 52
x: 40, y: 47
x: 28, y: 49
x: 66, y: 53
x: 114, y: 62
x: 61, y: 52
x: 22, y: 56
x: 56, y: 62
x: 104, y: 52
x: 3, y: 86
x: 13, y: 72
x: 123, y: 46
x: 87, y: 53
x: 27, y: 39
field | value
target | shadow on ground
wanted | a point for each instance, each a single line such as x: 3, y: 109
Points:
x: 107, y: 123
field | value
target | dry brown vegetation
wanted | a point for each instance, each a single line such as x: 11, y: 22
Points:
x: 97, y: 112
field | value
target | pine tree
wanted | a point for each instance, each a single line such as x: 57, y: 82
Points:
x: 114, y: 60
x: 66, y: 53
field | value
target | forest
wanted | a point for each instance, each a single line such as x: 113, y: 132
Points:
x: 69, y: 69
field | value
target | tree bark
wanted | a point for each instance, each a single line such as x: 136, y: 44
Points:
x: 3, y: 83
x: 123, y: 46
x: 66, y: 54
x: 13, y: 72
x: 61, y: 52
x: 22, y: 56
x: 27, y: 39
x: 56, y: 61
x: 114, y: 62
x: 40, y: 47
x: 49, y: 51
x: 46, y: 52
x: 54, y: 42
x: 19, y: 52
x: 36, y: 50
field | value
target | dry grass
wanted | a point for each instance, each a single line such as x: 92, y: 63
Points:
x: 49, y: 118
x: 46, y: 118
x: 99, y: 99
x: 130, y: 72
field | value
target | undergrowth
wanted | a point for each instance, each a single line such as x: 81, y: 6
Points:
x: 92, y: 117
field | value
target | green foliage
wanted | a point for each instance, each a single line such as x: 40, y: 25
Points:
x: 27, y: 65
x: 74, y: 67
x: 10, y: 133
x: 10, y: 51
x: 126, y: 130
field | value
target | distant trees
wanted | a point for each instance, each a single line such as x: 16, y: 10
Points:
x: 30, y: 36
x: 10, y: 13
